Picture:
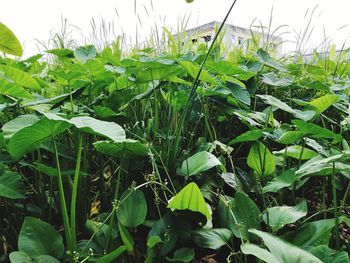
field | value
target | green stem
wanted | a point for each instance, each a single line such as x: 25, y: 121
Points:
x: 335, y: 208
x: 75, y: 191
x: 63, y: 201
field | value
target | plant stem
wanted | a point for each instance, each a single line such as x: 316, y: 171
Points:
x: 63, y: 201
x: 335, y: 208
x: 75, y: 191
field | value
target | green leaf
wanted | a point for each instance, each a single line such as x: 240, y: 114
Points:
x: 83, y: 54
x: 154, y: 240
x: 104, y: 112
x: 30, y: 137
x: 8, y: 42
x: 265, y: 58
x: 90, y: 125
x: 279, y: 216
x: 272, y: 79
x: 38, y: 238
x: 20, y: 257
x: 286, y: 179
x: 182, y: 255
x: 258, y: 252
x: 316, y: 132
x: 11, y: 185
x: 45, y: 259
x: 239, y: 214
x: 248, y: 136
x: 190, y: 198
x: 22, y: 78
x: 290, y: 137
x: 324, y: 102
x: 199, y: 162
x: 134, y: 217
x: 213, y: 238
x: 14, y: 125
x: 192, y: 69
x: 14, y: 90
x: 240, y: 93
x: 311, y: 234
x: 124, y: 148
x: 112, y: 256
x: 297, y: 152
x: 127, y: 239
x: 328, y: 255
x: 261, y: 160
x: 283, y: 251
x: 268, y: 99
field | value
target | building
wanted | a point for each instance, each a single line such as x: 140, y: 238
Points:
x: 233, y: 35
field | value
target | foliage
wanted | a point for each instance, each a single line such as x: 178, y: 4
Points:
x: 173, y: 156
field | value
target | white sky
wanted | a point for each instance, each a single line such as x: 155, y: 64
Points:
x: 37, y: 18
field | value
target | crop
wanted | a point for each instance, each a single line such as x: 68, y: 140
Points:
x: 175, y: 156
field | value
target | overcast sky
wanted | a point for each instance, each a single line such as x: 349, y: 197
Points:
x: 38, y: 19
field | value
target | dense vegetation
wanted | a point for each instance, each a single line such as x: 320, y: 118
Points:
x: 173, y: 155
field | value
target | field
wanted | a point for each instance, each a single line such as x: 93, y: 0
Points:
x: 184, y: 154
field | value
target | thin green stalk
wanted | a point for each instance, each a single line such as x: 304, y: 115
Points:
x: 75, y: 191
x: 335, y: 208
x: 63, y: 201
x: 195, y: 85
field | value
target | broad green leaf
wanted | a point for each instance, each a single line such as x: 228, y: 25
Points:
x: 261, y: 160
x: 328, y: 255
x: 127, y: 239
x: 135, y: 216
x: 229, y: 69
x: 213, y: 238
x: 324, y: 102
x: 104, y: 112
x: 268, y: 99
x: 238, y: 214
x: 22, y: 78
x: 272, y: 79
x: 8, y: 42
x: 167, y: 229
x: 286, y: 179
x: 20, y: 257
x: 311, y: 234
x: 111, y: 257
x: 11, y: 185
x: 290, y: 137
x: 322, y: 166
x: 61, y: 52
x: 316, y: 132
x: 198, y: 163
x: 240, y: 93
x: 14, y: 125
x: 90, y: 125
x: 267, y: 60
x: 283, y: 251
x: 124, y: 148
x: 38, y: 238
x: 248, y: 136
x: 279, y: 216
x: 258, y: 252
x: 297, y: 152
x: 45, y: 259
x: 14, y: 90
x: 30, y: 137
x: 193, y: 69
x: 182, y: 255
x: 83, y: 54
x: 190, y: 198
